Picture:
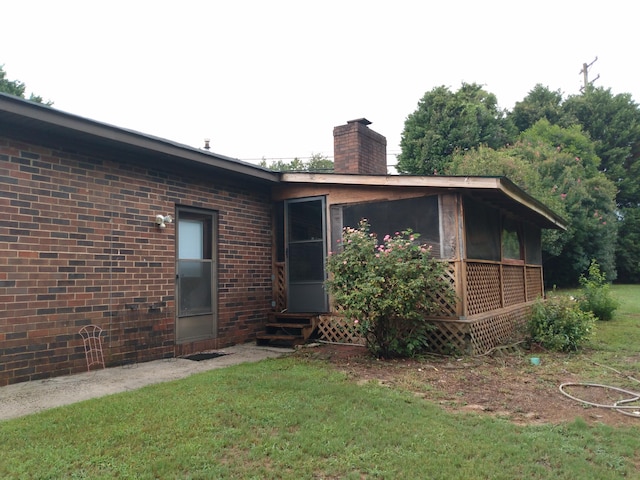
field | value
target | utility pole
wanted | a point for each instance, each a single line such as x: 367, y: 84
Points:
x: 585, y: 74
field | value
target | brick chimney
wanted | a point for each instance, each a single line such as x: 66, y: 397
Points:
x: 357, y: 149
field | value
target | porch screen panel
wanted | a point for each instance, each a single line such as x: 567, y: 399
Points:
x: 511, y: 240
x: 482, y: 225
x: 419, y: 214
x: 532, y: 244
x: 308, y: 264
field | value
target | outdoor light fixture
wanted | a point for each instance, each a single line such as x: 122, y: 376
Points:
x: 162, y: 220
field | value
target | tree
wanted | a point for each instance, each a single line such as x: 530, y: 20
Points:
x: 559, y: 167
x: 613, y: 121
x: 445, y: 122
x: 628, y: 247
x: 539, y: 103
x: 17, y: 88
x: 317, y: 163
x: 599, y: 128
x: 571, y: 172
x: 515, y: 162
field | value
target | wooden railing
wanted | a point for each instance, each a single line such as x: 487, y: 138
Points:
x: 494, y: 285
x: 483, y: 286
x: 279, y: 287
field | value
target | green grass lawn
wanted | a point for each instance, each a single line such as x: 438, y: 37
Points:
x: 293, y: 419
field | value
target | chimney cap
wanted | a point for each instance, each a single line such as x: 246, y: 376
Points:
x: 362, y: 121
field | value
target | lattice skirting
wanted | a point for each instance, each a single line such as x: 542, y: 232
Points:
x: 335, y: 329
x: 481, y: 334
x: 474, y: 337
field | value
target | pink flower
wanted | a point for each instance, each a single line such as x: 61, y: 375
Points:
x: 563, y: 195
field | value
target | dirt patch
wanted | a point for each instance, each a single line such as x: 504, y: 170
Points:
x: 502, y: 385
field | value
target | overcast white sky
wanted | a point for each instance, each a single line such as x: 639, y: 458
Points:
x: 272, y: 78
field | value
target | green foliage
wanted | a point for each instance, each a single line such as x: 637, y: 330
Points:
x: 599, y: 129
x: 559, y: 167
x: 613, y: 123
x: 628, y: 247
x: 570, y: 173
x: 17, y: 88
x: 559, y: 324
x: 445, y: 122
x: 317, y: 163
x: 539, y: 103
x: 596, y: 295
x: 385, y: 289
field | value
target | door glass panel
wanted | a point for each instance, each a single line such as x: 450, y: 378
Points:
x: 196, y: 308
x: 194, y: 283
x: 191, y: 239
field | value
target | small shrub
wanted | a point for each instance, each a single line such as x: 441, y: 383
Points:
x: 385, y: 289
x: 596, y: 296
x: 559, y: 324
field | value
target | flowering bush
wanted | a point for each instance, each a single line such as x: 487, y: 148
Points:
x: 384, y: 289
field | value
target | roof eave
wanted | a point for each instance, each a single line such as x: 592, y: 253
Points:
x: 500, y: 184
x: 46, y: 116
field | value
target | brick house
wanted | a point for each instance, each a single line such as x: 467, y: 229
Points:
x: 79, y: 244
x: 174, y: 250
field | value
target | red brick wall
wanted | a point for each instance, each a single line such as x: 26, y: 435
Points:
x: 78, y: 245
x: 358, y: 149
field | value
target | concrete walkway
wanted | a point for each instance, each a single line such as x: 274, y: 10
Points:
x: 31, y: 397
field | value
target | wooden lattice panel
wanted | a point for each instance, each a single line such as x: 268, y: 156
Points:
x: 476, y: 337
x: 473, y: 337
x: 335, y: 329
x: 513, y: 281
x: 483, y: 287
x: 448, y: 337
x: 498, y: 329
x: 280, y: 287
x: 447, y: 308
x: 534, y: 283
